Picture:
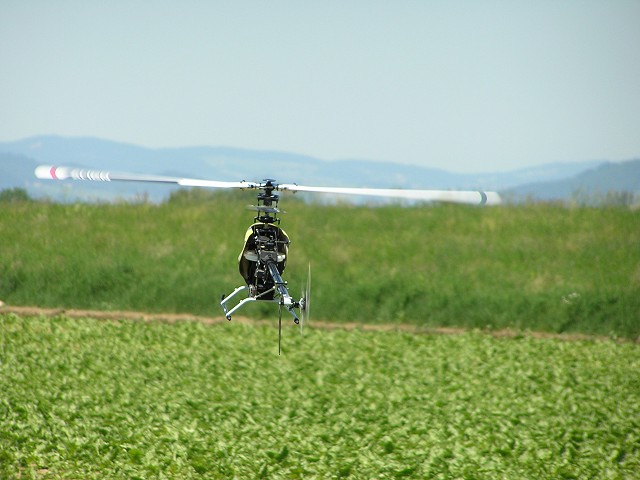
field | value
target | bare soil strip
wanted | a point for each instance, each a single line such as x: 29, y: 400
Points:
x: 322, y: 325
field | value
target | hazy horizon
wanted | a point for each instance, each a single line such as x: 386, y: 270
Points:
x: 460, y: 86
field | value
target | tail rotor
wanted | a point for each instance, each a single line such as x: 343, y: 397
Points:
x: 305, y: 302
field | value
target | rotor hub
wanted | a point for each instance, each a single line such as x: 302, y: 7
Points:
x: 267, y: 202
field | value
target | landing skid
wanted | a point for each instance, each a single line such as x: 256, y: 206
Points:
x: 282, y: 300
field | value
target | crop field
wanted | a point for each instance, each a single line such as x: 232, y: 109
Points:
x: 85, y: 398
x: 118, y: 398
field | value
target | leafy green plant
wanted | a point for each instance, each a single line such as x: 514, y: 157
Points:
x: 84, y: 398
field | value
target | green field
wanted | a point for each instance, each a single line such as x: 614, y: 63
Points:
x: 87, y: 398
x: 83, y: 398
x: 529, y: 267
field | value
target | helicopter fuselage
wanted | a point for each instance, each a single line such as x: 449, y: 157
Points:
x: 263, y: 259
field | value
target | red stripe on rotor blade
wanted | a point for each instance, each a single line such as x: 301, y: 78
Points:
x: 52, y: 172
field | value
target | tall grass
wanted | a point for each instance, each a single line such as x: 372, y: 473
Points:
x: 539, y: 267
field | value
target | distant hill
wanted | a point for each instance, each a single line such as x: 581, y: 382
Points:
x: 592, y: 184
x: 15, y: 170
x: 18, y: 160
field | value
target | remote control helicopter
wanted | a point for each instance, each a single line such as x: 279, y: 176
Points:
x: 265, y: 251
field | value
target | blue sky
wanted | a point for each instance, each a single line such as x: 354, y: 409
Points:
x: 468, y: 86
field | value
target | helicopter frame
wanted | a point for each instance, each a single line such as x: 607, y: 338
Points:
x: 263, y: 259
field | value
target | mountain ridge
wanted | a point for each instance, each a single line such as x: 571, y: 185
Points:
x: 18, y: 158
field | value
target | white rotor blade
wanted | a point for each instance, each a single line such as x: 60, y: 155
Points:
x: 456, y: 196
x: 50, y: 172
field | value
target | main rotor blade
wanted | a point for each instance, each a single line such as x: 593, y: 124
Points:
x: 455, y: 196
x: 50, y: 172
x: 475, y: 197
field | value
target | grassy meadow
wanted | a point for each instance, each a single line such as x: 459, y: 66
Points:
x: 87, y: 398
x: 529, y: 267
x: 92, y: 399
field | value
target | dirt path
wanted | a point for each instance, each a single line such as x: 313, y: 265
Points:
x: 184, y: 317
x: 322, y: 325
